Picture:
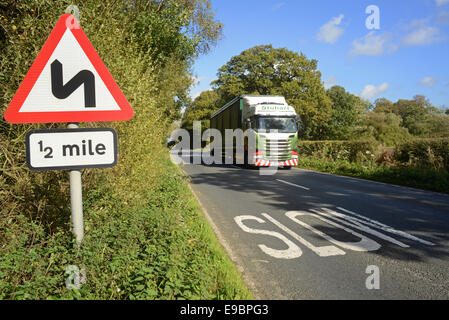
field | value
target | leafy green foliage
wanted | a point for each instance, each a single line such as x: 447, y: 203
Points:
x: 400, y: 175
x: 413, y: 113
x: 385, y: 106
x: 421, y: 163
x: 201, y: 109
x: 155, y: 246
x: 424, y: 153
x: 383, y: 127
x: 437, y: 125
x: 418, y: 116
x: 352, y: 151
x: 171, y: 34
x: 145, y: 237
x: 347, y: 110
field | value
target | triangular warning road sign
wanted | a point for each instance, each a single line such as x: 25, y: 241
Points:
x: 68, y: 82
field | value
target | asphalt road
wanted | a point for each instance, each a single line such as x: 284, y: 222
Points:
x: 300, y: 234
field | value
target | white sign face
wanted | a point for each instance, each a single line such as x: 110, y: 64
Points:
x: 71, y: 149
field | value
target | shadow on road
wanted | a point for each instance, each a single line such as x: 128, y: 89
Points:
x: 422, y: 219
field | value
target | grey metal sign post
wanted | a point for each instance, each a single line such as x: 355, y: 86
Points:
x: 76, y: 200
x: 72, y: 149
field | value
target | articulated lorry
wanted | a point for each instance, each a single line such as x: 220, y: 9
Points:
x: 275, y: 126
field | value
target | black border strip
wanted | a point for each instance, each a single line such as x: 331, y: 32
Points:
x: 27, y: 142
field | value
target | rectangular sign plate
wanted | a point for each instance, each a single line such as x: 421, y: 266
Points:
x: 71, y: 149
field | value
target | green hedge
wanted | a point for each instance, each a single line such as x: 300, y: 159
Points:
x: 400, y: 175
x: 424, y: 153
x: 352, y: 151
x: 145, y: 237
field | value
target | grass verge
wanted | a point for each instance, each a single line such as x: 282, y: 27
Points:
x: 403, y: 175
x: 154, y: 244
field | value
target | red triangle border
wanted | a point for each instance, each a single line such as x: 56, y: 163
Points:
x: 67, y: 21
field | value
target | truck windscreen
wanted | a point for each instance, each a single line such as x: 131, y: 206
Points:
x: 282, y: 125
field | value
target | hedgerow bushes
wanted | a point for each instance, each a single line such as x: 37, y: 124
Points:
x: 420, y: 153
x: 422, y: 163
x: 145, y: 237
x: 424, y: 153
x: 351, y: 151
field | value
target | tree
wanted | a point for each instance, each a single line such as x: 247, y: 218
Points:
x: 201, y: 109
x: 384, y: 105
x: 414, y: 114
x: 265, y: 70
x: 384, y: 127
x: 437, y: 125
x: 347, y: 110
x: 171, y: 34
x: 174, y: 28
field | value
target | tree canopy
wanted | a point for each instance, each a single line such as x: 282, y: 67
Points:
x: 418, y: 115
x: 384, y: 127
x: 346, y: 113
x: 201, y: 109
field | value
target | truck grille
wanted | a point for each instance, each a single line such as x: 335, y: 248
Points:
x: 277, y: 150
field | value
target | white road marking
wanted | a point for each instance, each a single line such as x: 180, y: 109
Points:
x: 292, y: 252
x: 365, y: 244
x: 331, y: 217
x: 292, y: 184
x: 354, y: 224
x: 377, y: 224
x: 324, y: 251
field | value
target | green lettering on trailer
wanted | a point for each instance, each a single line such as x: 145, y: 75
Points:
x: 274, y: 108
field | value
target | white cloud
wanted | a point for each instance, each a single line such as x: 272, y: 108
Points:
x: 423, y: 35
x: 429, y: 82
x: 278, y: 5
x: 330, y: 82
x: 441, y: 2
x: 371, y: 91
x: 330, y: 32
x: 418, y: 32
x: 373, y: 44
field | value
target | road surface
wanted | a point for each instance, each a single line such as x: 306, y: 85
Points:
x: 300, y: 234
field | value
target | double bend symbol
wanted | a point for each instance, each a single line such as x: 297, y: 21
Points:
x: 62, y: 91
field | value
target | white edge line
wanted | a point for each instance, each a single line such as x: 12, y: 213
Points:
x: 415, y: 189
x: 293, y: 184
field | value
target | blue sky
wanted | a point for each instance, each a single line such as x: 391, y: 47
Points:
x: 408, y: 55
